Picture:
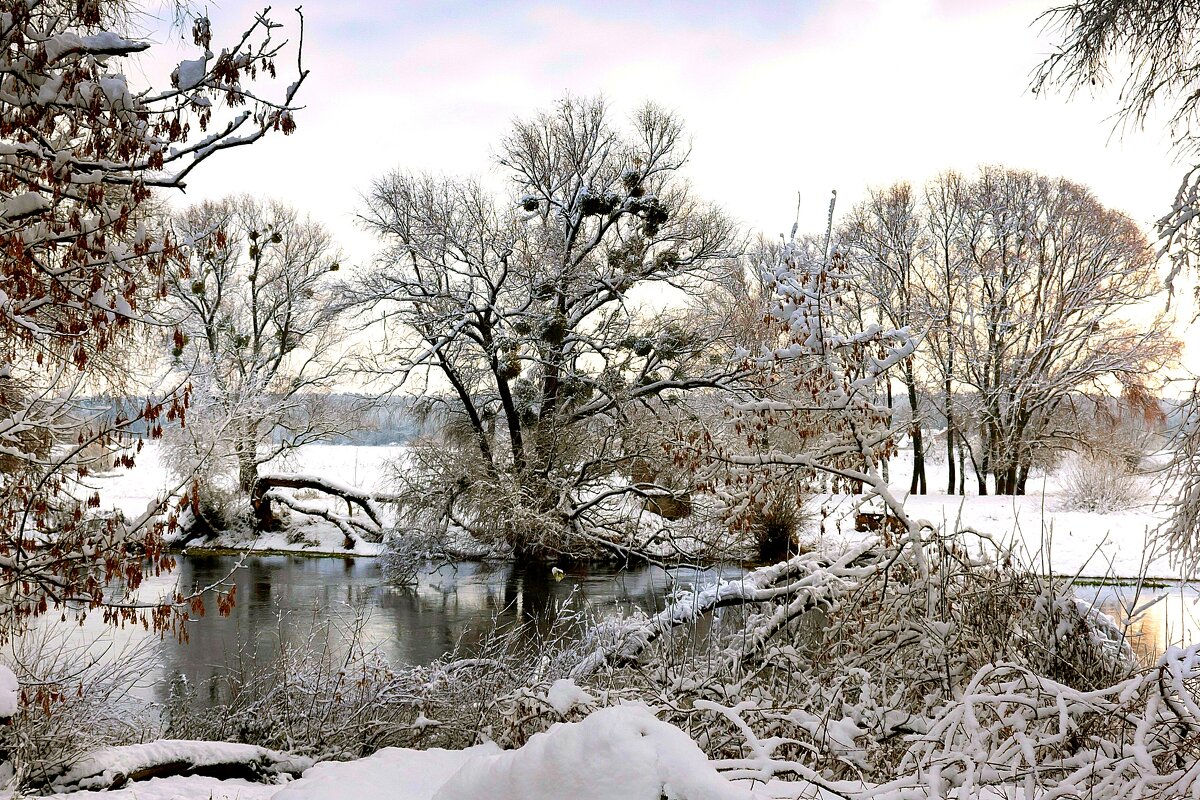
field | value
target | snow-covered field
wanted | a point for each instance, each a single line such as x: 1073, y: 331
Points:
x: 1038, y: 525
x: 1093, y: 545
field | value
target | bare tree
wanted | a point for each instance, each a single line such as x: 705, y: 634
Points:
x: 883, y: 243
x: 1021, y: 288
x: 1050, y: 275
x: 941, y: 280
x: 1156, y: 45
x: 258, y: 329
x: 524, y: 321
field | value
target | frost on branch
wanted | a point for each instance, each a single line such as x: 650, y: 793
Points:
x: 83, y: 261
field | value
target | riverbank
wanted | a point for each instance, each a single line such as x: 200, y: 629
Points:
x: 594, y: 752
x: 1106, y: 547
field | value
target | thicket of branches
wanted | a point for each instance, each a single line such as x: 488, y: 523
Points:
x: 83, y: 152
x: 860, y: 670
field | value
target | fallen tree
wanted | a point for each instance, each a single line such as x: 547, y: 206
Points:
x: 270, y: 488
x: 113, y: 767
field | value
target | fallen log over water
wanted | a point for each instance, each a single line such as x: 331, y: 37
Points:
x: 267, y: 488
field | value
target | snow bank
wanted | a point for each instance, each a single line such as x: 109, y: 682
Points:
x: 621, y: 753
x: 393, y: 773
x: 114, y: 766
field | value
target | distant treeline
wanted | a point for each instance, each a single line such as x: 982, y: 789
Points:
x: 385, y: 421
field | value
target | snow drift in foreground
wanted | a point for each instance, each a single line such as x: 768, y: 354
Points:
x: 619, y: 753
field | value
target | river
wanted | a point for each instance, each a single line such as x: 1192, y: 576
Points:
x: 290, y: 598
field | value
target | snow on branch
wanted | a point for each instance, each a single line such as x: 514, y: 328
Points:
x: 804, y: 583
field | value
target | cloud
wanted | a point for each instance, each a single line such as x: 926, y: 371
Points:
x: 779, y: 97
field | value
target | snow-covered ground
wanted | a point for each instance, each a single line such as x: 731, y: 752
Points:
x: 620, y: 753
x: 1042, y: 530
x: 132, y: 490
x: 1069, y: 542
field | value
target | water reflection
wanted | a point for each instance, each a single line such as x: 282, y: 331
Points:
x: 1153, y: 618
x: 286, y: 599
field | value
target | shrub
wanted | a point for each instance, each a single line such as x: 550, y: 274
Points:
x: 74, y: 700
x: 1099, y: 483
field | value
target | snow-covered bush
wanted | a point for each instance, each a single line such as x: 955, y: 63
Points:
x: 72, y: 701
x: 849, y: 650
x: 333, y: 695
x: 1099, y: 483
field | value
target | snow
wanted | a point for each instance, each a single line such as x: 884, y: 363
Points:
x: 10, y: 693
x: 617, y: 753
x: 621, y: 753
x: 189, y: 787
x: 563, y: 695
x: 23, y: 205
x: 190, y: 73
x: 107, y: 765
x: 393, y: 773
x: 1038, y: 526
x: 102, y: 43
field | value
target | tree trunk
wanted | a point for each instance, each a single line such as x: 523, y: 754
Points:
x: 918, y: 485
x: 247, y: 458
x: 988, y: 459
x: 885, y: 469
x: 962, y: 468
x: 980, y: 467
x: 1007, y: 478
x: 265, y: 518
x: 949, y: 405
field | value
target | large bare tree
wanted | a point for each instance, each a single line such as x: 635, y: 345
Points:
x: 534, y: 323
x: 1050, y: 278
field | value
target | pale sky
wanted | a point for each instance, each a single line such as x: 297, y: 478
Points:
x: 779, y: 98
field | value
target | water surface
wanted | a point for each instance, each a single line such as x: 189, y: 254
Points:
x: 289, y: 600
